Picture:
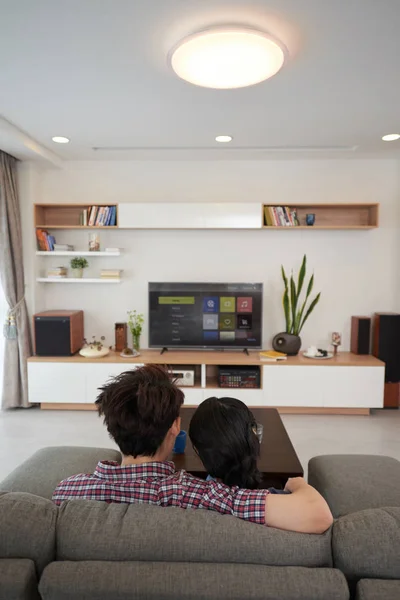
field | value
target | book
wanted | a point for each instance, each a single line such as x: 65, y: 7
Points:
x: 93, y: 215
x: 63, y: 247
x: 268, y: 216
x: 272, y: 356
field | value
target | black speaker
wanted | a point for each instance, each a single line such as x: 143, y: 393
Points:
x: 360, y: 335
x: 386, y: 344
x: 58, y: 333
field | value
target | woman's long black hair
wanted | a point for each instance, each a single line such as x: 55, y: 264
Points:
x: 222, y: 433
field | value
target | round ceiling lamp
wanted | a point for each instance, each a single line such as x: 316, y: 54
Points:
x: 227, y: 57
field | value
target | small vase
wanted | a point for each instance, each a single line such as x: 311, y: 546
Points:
x: 77, y: 273
x: 136, y: 342
x: 287, y: 342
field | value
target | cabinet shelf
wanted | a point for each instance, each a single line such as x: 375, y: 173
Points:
x: 67, y: 216
x: 329, y: 216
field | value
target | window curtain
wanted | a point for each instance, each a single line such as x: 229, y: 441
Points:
x: 17, y: 343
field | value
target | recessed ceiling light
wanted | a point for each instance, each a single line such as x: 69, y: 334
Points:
x: 60, y: 139
x: 223, y: 138
x: 391, y: 137
x: 227, y: 57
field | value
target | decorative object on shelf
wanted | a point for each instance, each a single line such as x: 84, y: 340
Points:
x: 121, y: 336
x: 135, y: 322
x: 77, y: 265
x: 57, y: 273
x: 94, y: 349
x: 318, y: 353
x: 110, y: 273
x: 310, y: 219
x: 129, y: 353
x: 336, y: 341
x: 94, y: 242
x: 289, y: 341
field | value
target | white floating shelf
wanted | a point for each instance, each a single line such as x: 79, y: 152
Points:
x: 75, y: 253
x: 76, y: 280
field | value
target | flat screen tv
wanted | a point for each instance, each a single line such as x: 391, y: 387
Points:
x: 205, y: 315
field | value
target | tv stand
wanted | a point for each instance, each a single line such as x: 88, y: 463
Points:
x: 245, y: 350
x: 165, y: 349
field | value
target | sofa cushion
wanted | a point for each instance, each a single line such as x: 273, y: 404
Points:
x: 367, y: 544
x: 377, y: 589
x: 350, y: 483
x: 90, y: 530
x: 188, y: 581
x: 18, y: 579
x: 44, y: 470
x: 27, y: 528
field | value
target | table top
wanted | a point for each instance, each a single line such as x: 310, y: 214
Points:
x: 278, y: 459
x: 199, y: 357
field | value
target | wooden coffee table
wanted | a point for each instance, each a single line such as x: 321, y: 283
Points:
x: 278, y: 460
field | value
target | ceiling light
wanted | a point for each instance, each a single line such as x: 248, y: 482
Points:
x: 391, y: 137
x: 60, y: 139
x: 227, y: 57
x: 223, y: 138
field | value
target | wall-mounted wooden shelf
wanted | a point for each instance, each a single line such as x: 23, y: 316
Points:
x: 66, y: 216
x: 331, y: 216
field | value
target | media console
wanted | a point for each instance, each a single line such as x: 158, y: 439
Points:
x: 346, y: 384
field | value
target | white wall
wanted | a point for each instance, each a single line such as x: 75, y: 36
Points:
x: 355, y: 270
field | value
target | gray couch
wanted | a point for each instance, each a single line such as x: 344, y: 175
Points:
x: 90, y: 550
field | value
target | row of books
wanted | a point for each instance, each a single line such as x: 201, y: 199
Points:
x: 99, y: 216
x: 110, y: 273
x: 281, y: 216
x: 57, y: 273
x: 45, y: 241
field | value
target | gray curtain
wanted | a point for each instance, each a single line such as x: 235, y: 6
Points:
x: 17, y: 350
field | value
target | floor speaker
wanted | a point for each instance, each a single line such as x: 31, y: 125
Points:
x: 360, y: 342
x: 386, y: 347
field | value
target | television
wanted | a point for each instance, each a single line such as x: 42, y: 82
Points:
x: 205, y: 315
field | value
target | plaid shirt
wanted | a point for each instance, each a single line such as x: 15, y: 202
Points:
x: 158, y: 483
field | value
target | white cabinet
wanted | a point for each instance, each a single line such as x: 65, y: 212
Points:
x: 323, y: 387
x: 189, y: 215
x: 62, y: 383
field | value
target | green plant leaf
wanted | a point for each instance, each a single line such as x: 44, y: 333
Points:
x: 285, y: 281
x: 286, y: 308
x: 293, y: 301
x: 302, y: 274
x: 309, y: 311
x: 299, y: 316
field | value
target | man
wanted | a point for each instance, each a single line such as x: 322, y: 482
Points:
x: 141, y: 411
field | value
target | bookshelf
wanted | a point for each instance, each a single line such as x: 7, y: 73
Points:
x: 76, y: 253
x: 330, y: 216
x: 66, y: 216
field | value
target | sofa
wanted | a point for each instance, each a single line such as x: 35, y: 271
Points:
x: 91, y: 550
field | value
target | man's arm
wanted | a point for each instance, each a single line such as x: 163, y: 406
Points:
x: 304, y: 510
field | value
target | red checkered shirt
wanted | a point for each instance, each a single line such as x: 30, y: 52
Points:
x: 158, y: 483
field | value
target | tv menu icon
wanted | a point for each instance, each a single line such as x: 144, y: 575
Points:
x: 210, y: 304
x: 227, y: 322
x: 210, y: 321
x: 227, y: 304
x: 245, y: 304
x: 244, y: 321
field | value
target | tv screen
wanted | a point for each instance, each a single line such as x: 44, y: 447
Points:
x: 205, y: 315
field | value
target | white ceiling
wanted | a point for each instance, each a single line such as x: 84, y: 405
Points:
x: 96, y: 72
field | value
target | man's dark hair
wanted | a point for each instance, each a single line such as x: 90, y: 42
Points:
x: 139, y: 407
x: 222, y: 431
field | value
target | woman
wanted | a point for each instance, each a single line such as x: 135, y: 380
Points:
x: 223, y: 433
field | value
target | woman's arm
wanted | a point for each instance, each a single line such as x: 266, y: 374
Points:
x: 304, y: 510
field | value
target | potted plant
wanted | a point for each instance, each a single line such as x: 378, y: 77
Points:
x: 135, y: 322
x: 296, y: 312
x: 77, y: 265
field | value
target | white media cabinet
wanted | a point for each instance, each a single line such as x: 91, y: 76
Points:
x: 347, y: 384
